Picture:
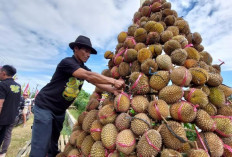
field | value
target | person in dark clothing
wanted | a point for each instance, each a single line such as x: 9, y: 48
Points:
x: 9, y: 99
x: 53, y: 99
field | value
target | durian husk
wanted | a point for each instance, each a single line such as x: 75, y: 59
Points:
x: 140, y: 124
x: 98, y: 150
x: 88, y: 120
x: 199, y: 76
x: 121, y: 102
x: 157, y: 16
x: 136, y: 66
x: 122, y: 37
x: 144, y: 54
x: 166, y: 35
x: 225, y: 110
x: 125, y: 141
x: 228, y: 142
x: 170, y: 20
x: 183, y: 111
x: 190, y: 63
x: 123, y: 121
x: 183, y: 26
x: 174, y: 30
x: 149, y: 66
x: 210, y: 109
x: 139, y: 46
x: 197, y: 153
x: 170, y: 46
x: 196, y: 97
x: 108, y: 55
x: 214, y: 143
x: 224, y: 125
x: 152, y: 37
x: 206, y: 57
x: 215, y: 79
x: 109, y: 135
x: 87, y: 145
x: 115, y: 72
x: 169, y: 140
x: 192, y: 53
x: 107, y: 114
x: 130, y: 55
x: 139, y: 104
x: 159, y: 80
x: 226, y: 89
x: 217, y: 97
x: 170, y: 152
x: 129, y: 42
x: 95, y: 130
x: 92, y: 104
x: 137, y: 16
x: 204, y: 121
x: 156, y: 49
x: 164, y: 62
x: 179, y: 56
x: 199, y: 48
x: 131, y: 29
x: 182, y: 40
x: 171, y: 94
x: 124, y: 69
x: 158, y: 109
x: 149, y: 144
x: 140, y: 87
x: 196, y: 40
x: 181, y: 76
x: 140, y: 35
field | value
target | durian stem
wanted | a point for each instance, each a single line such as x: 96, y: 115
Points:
x: 195, y: 143
x: 164, y: 119
x: 159, y: 128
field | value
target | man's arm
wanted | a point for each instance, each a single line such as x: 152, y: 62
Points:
x: 1, y: 104
x: 96, y: 78
x: 109, y: 88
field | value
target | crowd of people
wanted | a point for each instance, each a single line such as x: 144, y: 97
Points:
x: 10, y: 103
x: 52, y: 100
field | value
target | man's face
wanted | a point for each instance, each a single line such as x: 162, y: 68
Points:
x: 82, y: 54
x: 2, y: 74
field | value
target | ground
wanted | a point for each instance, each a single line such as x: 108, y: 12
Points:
x: 20, y: 136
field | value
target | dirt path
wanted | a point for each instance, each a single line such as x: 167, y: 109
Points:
x: 20, y: 136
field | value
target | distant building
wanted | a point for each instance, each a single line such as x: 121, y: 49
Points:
x: 141, y: 2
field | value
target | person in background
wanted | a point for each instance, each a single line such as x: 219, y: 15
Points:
x: 27, y: 108
x: 65, y: 85
x: 10, y: 93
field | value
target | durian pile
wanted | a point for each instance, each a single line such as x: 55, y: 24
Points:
x: 170, y: 84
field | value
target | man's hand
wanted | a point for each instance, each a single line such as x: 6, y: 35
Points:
x: 119, y: 84
x: 117, y: 91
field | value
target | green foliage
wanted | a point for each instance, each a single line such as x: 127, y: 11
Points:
x: 75, y: 113
x: 190, y: 134
x: 66, y: 128
x: 82, y: 100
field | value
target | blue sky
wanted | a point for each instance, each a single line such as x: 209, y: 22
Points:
x: 34, y: 34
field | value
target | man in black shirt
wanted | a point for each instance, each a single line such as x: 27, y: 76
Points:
x: 60, y: 92
x: 10, y: 92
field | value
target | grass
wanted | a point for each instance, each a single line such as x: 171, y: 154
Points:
x: 19, y: 138
x: 21, y: 135
x: 75, y: 113
x: 66, y: 128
